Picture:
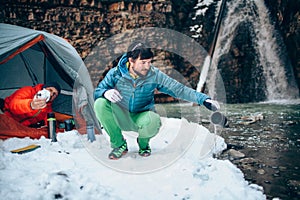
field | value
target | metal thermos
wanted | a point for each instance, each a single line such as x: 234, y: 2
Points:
x: 90, y: 132
x: 51, y: 120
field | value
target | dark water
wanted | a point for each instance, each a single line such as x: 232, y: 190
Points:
x: 271, y: 145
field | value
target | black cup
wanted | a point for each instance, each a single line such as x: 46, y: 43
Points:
x: 218, y: 118
x: 68, y: 125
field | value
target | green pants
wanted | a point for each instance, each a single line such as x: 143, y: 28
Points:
x: 114, y: 119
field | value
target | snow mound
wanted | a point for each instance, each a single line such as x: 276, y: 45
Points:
x: 181, y: 167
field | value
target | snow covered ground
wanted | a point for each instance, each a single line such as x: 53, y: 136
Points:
x: 181, y: 167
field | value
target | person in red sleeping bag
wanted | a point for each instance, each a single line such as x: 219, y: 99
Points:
x: 29, y: 105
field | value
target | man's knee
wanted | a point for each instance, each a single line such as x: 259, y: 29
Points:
x: 149, y: 125
x: 155, y: 119
x: 100, y: 104
x: 156, y: 123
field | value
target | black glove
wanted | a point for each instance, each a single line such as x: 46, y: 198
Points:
x: 211, y: 105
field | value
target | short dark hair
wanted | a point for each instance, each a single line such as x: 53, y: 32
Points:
x: 139, y: 49
x: 53, y: 84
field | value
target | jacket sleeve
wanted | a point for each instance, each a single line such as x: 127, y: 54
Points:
x: 107, y: 83
x: 20, y: 103
x: 172, y: 87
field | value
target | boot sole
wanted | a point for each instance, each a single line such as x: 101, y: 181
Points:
x: 115, y: 158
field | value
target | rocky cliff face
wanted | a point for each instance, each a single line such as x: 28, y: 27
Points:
x: 85, y: 23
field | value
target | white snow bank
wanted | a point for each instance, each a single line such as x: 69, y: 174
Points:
x: 202, y: 6
x: 181, y: 167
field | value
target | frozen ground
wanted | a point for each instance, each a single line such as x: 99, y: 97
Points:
x: 181, y: 167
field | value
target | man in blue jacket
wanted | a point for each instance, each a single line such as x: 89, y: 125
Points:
x: 124, y: 99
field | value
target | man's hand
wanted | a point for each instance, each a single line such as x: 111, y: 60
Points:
x: 37, y: 104
x: 113, y: 95
x: 211, y: 105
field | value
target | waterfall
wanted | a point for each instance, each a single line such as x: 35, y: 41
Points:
x: 277, y: 70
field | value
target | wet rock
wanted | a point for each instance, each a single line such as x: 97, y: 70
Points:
x: 288, y: 123
x: 294, y: 185
x: 274, y: 167
x: 235, y: 154
x: 247, y: 164
x: 260, y: 165
x: 234, y: 146
x: 267, y: 129
x: 261, y: 171
x: 282, y: 168
x: 248, y: 160
x: 268, y: 182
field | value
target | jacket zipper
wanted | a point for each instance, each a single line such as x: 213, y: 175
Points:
x: 133, y: 96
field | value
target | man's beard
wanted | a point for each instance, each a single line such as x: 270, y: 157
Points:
x: 139, y: 74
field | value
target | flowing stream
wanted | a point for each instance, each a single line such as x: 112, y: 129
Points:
x: 271, y: 145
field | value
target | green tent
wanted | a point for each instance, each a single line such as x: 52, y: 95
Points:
x: 29, y: 57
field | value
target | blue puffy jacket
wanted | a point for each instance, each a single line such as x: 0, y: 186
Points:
x: 138, y: 94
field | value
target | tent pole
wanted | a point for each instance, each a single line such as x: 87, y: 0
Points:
x: 209, y: 57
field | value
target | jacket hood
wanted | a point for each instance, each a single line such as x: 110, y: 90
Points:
x: 122, y: 65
